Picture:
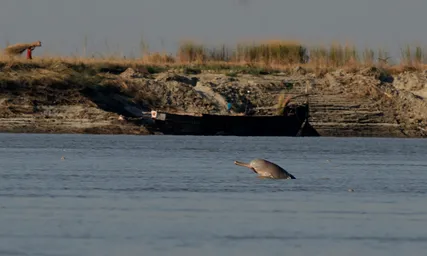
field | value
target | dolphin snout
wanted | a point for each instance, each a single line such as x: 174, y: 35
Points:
x: 245, y: 165
x: 242, y: 164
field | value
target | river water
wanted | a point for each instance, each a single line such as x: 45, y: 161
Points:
x: 182, y: 195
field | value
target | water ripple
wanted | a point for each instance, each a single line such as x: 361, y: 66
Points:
x: 123, y: 195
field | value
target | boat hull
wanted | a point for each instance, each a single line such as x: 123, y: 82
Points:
x: 289, y: 124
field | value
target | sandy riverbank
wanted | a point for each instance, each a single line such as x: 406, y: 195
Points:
x: 60, y: 97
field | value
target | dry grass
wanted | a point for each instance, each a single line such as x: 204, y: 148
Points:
x: 190, y: 52
x: 253, y: 57
x: 158, y: 58
x: 267, y: 53
x: 283, y: 55
x: 17, y: 49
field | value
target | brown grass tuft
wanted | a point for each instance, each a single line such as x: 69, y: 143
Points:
x: 271, y: 53
x: 191, y: 52
x: 158, y: 58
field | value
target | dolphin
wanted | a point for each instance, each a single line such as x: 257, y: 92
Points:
x: 266, y: 169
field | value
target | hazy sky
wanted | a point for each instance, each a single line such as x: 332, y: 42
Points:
x: 62, y: 25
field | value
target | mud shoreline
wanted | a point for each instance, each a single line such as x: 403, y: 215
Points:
x: 64, y: 98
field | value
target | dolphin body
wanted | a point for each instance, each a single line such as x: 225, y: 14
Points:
x: 266, y: 169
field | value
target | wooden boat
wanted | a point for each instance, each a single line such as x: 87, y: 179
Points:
x: 292, y: 123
